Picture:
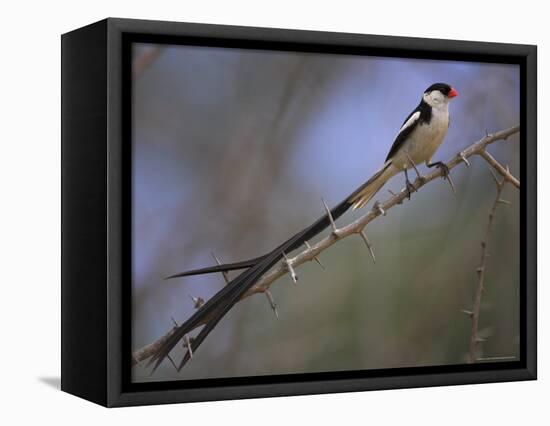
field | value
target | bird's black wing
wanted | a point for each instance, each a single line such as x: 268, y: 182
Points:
x: 421, y: 114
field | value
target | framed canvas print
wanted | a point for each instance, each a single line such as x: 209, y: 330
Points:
x: 252, y: 212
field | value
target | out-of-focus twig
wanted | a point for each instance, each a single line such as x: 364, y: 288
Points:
x: 144, y: 59
x: 475, y: 339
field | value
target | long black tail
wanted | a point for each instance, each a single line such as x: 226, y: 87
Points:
x: 219, y: 304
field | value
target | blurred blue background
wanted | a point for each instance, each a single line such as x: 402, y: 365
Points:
x: 233, y: 151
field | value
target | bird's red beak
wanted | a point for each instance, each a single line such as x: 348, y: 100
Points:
x: 453, y: 93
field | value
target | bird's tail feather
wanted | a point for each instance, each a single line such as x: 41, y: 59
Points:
x: 358, y: 199
x: 372, y: 186
x: 218, y: 268
x: 219, y: 304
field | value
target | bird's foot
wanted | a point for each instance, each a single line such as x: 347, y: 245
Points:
x: 444, y: 169
x: 410, y: 188
x: 441, y: 166
x: 445, y: 174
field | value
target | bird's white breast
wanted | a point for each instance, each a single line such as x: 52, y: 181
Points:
x: 424, y: 140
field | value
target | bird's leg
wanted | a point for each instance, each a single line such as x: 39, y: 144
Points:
x: 442, y: 166
x: 410, y: 188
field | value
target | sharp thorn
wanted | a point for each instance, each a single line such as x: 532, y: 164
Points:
x: 319, y: 262
x: 187, y: 343
x: 393, y: 194
x: 174, y: 321
x: 197, y: 301
x: 464, y: 159
x: 332, y: 223
x: 369, y: 245
x: 224, y: 273
x: 215, y: 258
x: 500, y: 200
x: 172, y: 361
x: 272, y: 303
x: 290, y: 269
x: 314, y: 257
x: 378, y: 207
x: 451, y: 183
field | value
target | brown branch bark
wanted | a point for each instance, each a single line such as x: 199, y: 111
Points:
x: 148, y: 350
x: 354, y: 228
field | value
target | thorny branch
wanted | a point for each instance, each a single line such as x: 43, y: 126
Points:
x: 357, y: 227
x: 504, y: 172
x: 475, y: 339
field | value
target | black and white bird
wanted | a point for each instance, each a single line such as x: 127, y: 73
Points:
x: 420, y: 135
x: 417, y: 141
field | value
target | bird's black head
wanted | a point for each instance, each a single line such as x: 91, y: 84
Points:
x: 444, y: 88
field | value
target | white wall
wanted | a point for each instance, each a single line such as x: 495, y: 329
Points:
x: 30, y: 194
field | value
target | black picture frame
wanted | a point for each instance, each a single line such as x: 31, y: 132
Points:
x: 96, y: 307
